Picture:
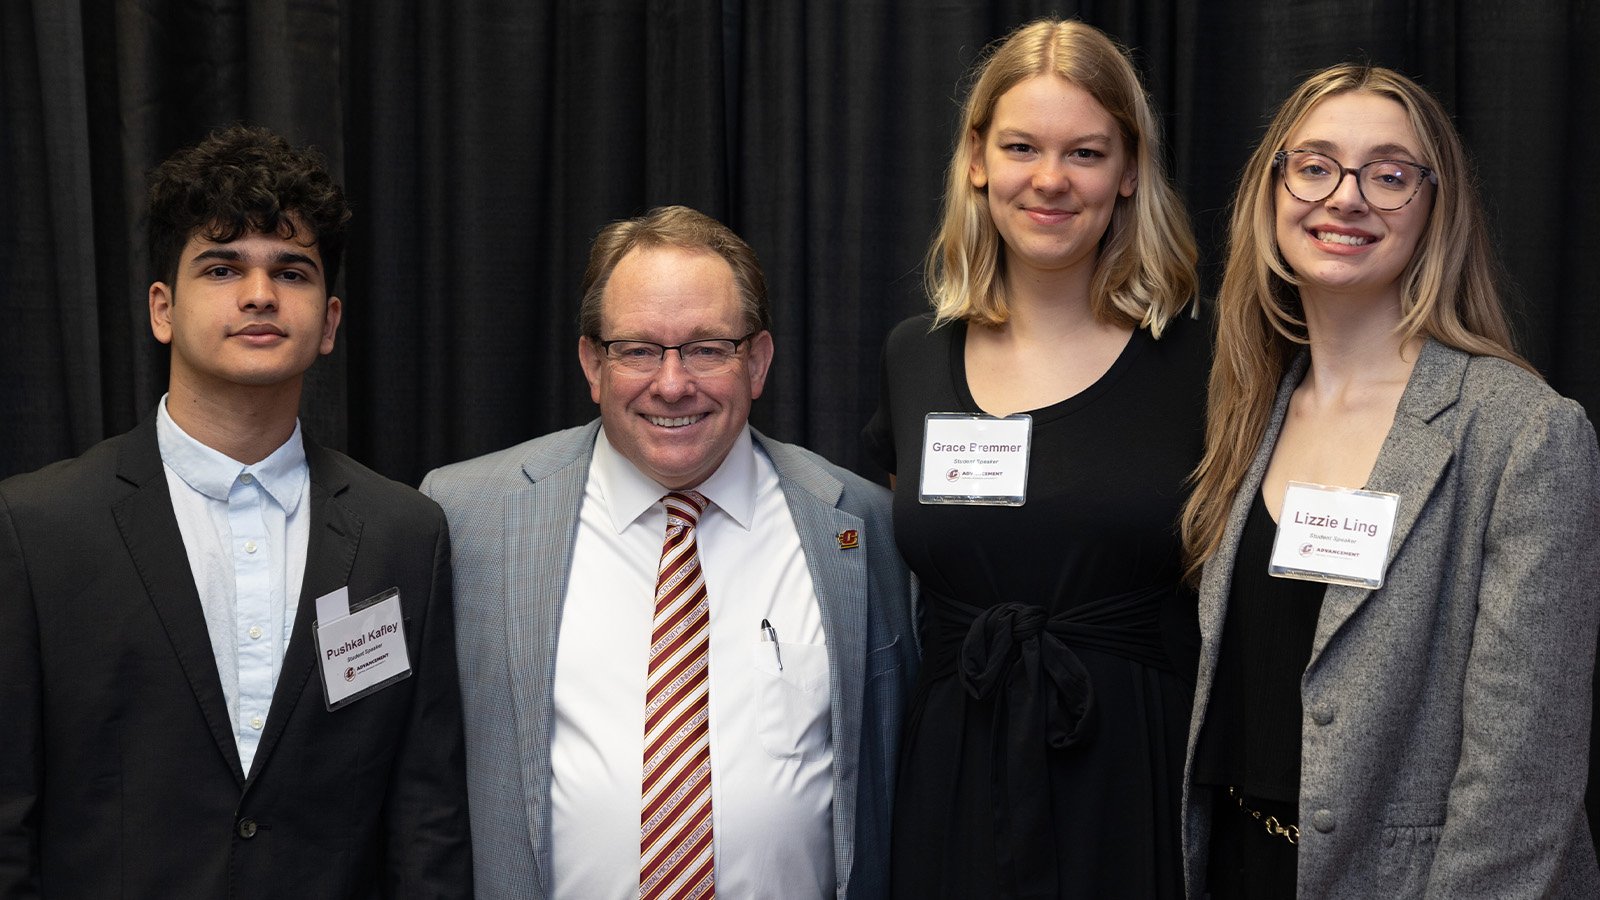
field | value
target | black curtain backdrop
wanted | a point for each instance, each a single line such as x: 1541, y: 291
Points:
x: 484, y: 143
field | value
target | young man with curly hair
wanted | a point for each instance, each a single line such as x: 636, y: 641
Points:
x: 171, y: 729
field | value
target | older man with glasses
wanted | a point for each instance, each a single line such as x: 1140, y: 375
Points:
x: 684, y: 646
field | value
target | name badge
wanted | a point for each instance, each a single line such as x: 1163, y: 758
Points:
x: 361, y: 647
x: 978, y: 460
x: 1334, y: 535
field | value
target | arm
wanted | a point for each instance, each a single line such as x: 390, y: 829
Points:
x: 429, y: 852
x: 21, y: 750
x: 1515, y: 824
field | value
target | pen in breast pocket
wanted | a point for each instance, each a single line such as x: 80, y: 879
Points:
x: 771, y: 634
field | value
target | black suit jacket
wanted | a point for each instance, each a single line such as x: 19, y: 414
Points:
x: 119, y: 776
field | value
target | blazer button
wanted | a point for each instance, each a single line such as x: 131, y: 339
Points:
x: 1322, y: 820
x: 1322, y: 713
x: 247, y: 828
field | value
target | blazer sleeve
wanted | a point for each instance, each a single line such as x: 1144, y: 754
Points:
x: 1515, y: 814
x: 429, y: 851
x: 21, y: 750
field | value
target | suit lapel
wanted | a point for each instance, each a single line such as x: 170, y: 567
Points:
x: 1413, y: 459
x: 840, y: 578
x: 541, y: 527
x: 334, y: 533
x: 150, y: 530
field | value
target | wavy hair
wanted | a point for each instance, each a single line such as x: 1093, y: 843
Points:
x: 244, y: 179
x: 1448, y: 289
x: 1145, y: 272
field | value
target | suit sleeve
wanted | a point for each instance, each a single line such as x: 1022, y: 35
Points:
x: 21, y: 702
x: 1515, y: 814
x: 429, y: 853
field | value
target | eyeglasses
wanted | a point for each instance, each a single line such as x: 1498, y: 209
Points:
x: 1386, y: 184
x: 712, y: 356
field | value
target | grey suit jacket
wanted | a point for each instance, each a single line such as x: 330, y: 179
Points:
x: 1445, y: 723
x: 513, y: 520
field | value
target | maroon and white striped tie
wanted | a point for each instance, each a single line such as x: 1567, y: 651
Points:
x: 675, y: 858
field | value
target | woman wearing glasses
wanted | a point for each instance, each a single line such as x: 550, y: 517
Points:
x: 1043, y: 749
x: 1400, y: 529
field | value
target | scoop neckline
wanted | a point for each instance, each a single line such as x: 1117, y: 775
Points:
x: 1059, y: 409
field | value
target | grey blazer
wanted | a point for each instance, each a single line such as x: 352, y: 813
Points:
x: 1445, y: 724
x: 513, y: 520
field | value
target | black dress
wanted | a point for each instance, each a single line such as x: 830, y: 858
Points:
x: 1043, y: 749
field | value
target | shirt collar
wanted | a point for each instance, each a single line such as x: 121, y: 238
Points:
x: 283, y: 474
x: 629, y: 492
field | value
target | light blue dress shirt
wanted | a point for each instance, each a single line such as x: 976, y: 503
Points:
x: 245, y: 532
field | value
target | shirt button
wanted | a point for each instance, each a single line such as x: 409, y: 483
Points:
x: 1322, y: 820
x: 246, y: 478
x: 255, y: 632
x: 1322, y: 713
x: 247, y: 828
x: 255, y: 722
x: 249, y: 546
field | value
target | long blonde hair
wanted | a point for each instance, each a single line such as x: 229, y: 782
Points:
x: 1145, y: 272
x: 1448, y: 290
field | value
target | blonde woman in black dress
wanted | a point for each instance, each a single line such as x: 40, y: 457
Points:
x: 1042, y: 752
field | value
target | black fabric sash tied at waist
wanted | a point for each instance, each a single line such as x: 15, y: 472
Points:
x: 1020, y: 659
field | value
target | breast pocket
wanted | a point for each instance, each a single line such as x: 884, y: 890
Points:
x: 792, y: 700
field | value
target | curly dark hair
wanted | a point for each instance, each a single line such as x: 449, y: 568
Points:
x: 244, y: 179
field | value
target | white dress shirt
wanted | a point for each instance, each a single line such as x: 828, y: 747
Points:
x: 245, y: 531
x: 771, y: 747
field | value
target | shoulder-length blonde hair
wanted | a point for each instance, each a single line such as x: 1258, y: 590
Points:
x: 1447, y: 291
x: 1145, y: 272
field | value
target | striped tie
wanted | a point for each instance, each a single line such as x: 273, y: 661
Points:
x: 675, y: 819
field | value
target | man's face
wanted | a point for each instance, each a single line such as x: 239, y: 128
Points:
x: 675, y: 426
x: 250, y: 312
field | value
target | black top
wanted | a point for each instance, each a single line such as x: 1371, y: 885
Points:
x: 1251, y: 739
x: 1043, y: 749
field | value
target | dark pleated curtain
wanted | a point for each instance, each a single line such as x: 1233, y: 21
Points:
x: 483, y: 144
